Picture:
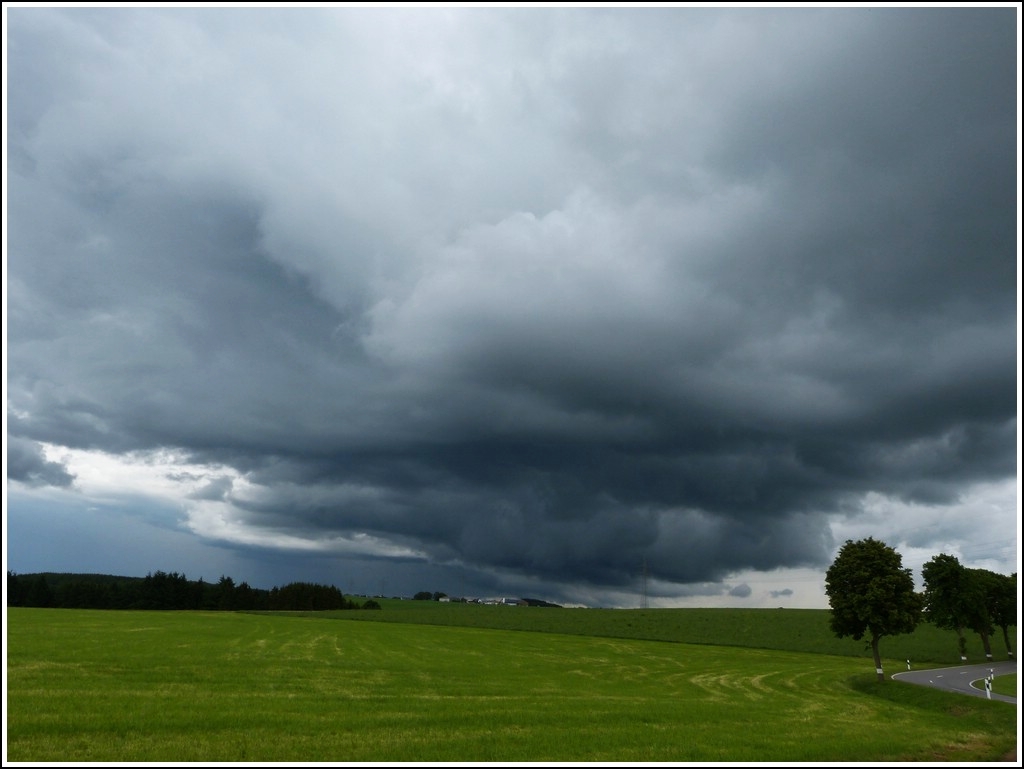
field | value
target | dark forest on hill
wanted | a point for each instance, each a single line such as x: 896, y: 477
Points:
x: 163, y: 590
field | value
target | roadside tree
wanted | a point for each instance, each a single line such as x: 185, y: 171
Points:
x: 871, y: 595
x: 982, y: 589
x: 946, y: 597
x: 1004, y: 613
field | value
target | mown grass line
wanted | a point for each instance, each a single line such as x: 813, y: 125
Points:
x: 216, y: 687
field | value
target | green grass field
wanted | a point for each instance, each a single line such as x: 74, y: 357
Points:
x: 1005, y: 685
x: 89, y: 686
x: 800, y: 630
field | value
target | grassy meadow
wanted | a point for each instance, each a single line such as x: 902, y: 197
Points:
x: 125, y: 686
x: 1005, y: 685
x: 799, y: 630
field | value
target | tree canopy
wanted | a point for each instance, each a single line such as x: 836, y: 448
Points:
x: 871, y: 594
x: 947, y: 596
x: 979, y: 600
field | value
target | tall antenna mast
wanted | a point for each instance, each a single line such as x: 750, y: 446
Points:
x: 643, y: 602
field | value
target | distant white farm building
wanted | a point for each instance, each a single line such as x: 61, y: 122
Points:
x: 498, y: 601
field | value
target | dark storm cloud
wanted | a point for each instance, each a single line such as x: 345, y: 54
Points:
x: 534, y: 294
x: 27, y: 463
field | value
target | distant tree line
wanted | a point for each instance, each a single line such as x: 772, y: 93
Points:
x: 872, y: 596
x: 163, y: 590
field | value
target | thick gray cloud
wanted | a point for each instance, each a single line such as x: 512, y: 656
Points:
x: 537, y: 294
x: 26, y: 463
x: 741, y: 591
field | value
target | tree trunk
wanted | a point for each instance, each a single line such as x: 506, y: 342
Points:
x: 878, y: 658
x: 1006, y: 640
x: 962, y: 642
x: 986, y: 642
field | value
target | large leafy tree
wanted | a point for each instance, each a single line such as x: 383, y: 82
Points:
x: 946, y: 597
x: 983, y: 587
x: 871, y: 595
x: 1004, y: 607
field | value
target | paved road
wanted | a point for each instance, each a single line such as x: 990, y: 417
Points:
x: 966, y: 679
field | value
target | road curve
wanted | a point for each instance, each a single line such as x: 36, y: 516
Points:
x: 965, y: 679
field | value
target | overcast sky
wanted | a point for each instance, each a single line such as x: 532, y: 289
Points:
x: 511, y: 301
